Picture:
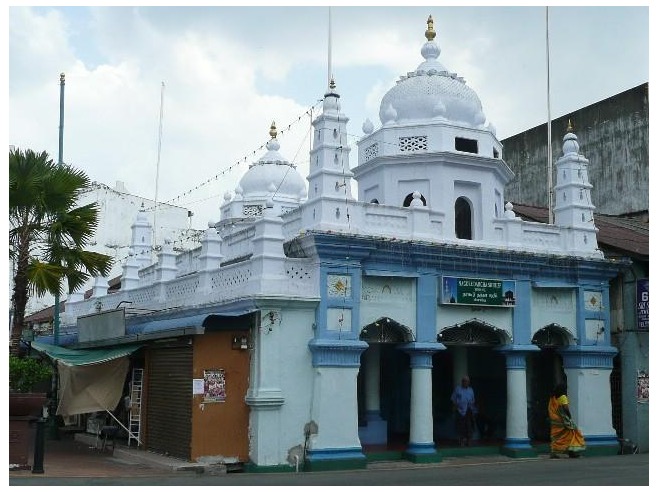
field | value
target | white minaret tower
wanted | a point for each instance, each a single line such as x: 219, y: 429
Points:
x: 330, y: 178
x: 573, y: 199
x: 141, y: 243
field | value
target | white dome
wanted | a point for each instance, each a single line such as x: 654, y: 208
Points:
x: 431, y: 92
x: 272, y: 173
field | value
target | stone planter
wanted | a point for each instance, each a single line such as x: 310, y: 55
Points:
x: 26, y: 404
x: 24, y: 410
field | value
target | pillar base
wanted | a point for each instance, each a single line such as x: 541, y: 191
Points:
x: 335, y: 459
x: 518, y: 448
x: 422, y: 453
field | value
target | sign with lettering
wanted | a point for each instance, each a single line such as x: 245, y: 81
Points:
x: 478, y: 291
x: 642, y: 304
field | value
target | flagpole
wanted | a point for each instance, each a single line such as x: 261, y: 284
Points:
x: 549, y: 177
x: 157, y: 169
x: 60, y: 162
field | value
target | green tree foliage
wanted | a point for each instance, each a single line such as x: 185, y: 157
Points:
x: 25, y: 373
x: 48, y: 232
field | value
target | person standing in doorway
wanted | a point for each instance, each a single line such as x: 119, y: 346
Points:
x: 565, y: 435
x: 463, y: 401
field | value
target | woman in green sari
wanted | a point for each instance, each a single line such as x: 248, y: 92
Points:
x: 565, y: 436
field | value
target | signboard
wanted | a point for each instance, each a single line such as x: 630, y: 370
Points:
x: 642, y: 300
x: 478, y: 291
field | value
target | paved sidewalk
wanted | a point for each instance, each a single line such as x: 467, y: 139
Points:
x: 80, y: 458
x: 68, y: 457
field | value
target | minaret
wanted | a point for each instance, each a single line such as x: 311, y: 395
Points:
x: 573, y: 199
x: 141, y: 243
x: 330, y: 178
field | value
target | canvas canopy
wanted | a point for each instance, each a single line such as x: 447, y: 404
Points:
x: 90, y: 380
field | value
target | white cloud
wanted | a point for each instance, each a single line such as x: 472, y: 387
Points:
x: 229, y: 72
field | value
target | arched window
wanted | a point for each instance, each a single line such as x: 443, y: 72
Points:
x: 375, y: 201
x: 463, y: 219
x: 409, y: 197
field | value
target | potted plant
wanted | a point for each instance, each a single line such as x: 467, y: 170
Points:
x: 29, y: 380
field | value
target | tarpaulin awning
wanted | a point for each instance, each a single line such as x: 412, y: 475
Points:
x: 83, y: 357
x: 90, y: 380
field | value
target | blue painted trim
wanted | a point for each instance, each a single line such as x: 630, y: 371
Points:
x: 427, y: 292
x: 335, y: 454
x: 601, y: 440
x: 336, y: 353
x: 515, y: 355
x: 420, y: 353
x: 587, y: 356
x: 517, y: 443
x: 522, y: 315
x: 421, y: 448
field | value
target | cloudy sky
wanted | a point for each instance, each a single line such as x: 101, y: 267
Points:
x: 228, y: 72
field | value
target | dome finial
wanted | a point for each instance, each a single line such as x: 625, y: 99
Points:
x: 430, y: 34
x: 273, y: 131
x: 569, y: 126
x: 332, y: 83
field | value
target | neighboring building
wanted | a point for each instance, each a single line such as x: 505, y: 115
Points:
x: 117, y: 210
x: 614, y: 134
x: 310, y: 332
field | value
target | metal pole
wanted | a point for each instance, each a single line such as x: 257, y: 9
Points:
x: 39, y: 445
x: 157, y: 170
x: 53, y: 425
x: 60, y: 161
x: 549, y: 179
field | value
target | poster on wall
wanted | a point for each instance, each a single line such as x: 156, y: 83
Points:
x: 478, y: 291
x: 642, y: 300
x: 642, y: 386
x: 214, y: 385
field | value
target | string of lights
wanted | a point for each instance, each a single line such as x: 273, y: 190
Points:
x: 240, y: 161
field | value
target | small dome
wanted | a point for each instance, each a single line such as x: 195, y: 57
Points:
x: 431, y: 92
x: 272, y: 173
x: 570, y: 142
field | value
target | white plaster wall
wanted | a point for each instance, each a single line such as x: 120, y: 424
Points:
x: 117, y: 212
x: 589, y: 400
x: 553, y: 306
x: 388, y: 297
x: 277, y: 431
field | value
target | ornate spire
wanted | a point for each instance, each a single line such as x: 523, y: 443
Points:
x: 332, y: 84
x: 430, y: 34
x: 273, y: 131
x: 569, y: 126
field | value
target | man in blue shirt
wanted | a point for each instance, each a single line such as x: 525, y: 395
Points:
x: 463, y: 400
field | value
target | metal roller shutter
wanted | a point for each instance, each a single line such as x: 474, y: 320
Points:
x: 169, y: 400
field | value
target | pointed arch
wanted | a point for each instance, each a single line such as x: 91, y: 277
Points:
x: 553, y: 335
x: 386, y: 330
x: 474, y: 332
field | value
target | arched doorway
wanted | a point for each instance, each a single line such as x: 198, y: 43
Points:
x: 544, y: 370
x: 384, y: 385
x: 470, y: 350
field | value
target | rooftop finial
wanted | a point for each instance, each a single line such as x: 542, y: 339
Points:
x: 273, y: 130
x: 569, y: 126
x: 332, y: 84
x: 61, y: 77
x: 430, y: 34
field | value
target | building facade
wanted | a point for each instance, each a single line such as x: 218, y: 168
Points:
x: 614, y: 134
x: 312, y: 326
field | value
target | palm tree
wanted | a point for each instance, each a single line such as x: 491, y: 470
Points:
x: 47, y: 232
